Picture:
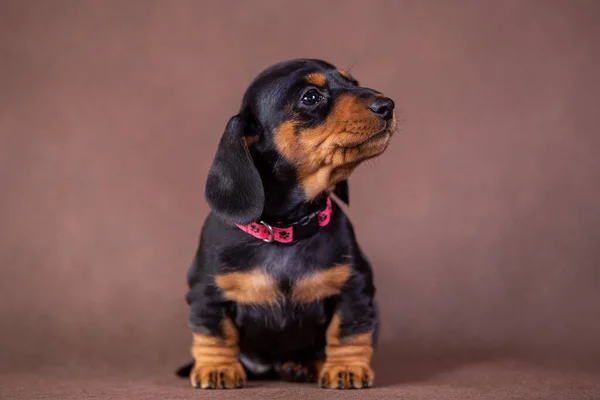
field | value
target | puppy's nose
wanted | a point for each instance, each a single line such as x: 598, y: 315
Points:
x: 383, y: 106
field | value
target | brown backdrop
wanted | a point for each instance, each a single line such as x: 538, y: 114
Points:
x: 482, y: 219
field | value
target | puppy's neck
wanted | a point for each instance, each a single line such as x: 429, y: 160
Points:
x: 285, y: 198
x: 291, y: 211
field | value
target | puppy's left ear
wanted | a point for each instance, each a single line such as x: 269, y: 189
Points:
x: 342, y: 191
x: 234, y: 189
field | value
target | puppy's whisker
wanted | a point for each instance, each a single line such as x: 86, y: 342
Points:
x: 349, y: 69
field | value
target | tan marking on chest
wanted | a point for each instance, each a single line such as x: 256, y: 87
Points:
x: 321, y: 284
x: 249, y: 287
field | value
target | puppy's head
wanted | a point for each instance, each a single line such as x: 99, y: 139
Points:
x: 303, y: 127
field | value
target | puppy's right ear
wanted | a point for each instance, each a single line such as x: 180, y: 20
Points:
x: 234, y: 190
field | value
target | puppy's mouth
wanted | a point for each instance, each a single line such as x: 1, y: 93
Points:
x: 382, y: 135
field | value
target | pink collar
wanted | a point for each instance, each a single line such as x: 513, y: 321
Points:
x: 296, y: 231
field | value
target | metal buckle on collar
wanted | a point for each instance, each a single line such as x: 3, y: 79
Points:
x: 271, y: 237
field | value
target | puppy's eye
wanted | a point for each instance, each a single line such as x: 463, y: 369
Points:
x: 311, y: 97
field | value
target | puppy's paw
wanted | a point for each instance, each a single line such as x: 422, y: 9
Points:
x: 298, y: 372
x: 222, y: 376
x: 346, y: 376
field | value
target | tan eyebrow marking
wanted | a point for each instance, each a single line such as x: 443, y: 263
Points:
x: 345, y: 74
x: 316, y: 79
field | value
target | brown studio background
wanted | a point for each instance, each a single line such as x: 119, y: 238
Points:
x: 482, y: 220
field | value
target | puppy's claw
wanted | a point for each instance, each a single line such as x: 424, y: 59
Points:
x: 222, y: 379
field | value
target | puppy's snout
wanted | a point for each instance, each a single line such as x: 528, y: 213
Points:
x: 383, y: 107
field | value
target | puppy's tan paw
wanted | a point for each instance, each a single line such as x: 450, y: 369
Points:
x: 222, y: 376
x: 344, y: 376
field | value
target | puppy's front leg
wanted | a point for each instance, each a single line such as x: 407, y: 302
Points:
x: 348, y: 359
x: 215, y: 343
x: 350, y: 338
x: 216, y: 362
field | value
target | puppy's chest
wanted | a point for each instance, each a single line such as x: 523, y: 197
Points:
x: 287, y: 278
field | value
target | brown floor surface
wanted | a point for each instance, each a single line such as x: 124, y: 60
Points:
x: 419, y: 380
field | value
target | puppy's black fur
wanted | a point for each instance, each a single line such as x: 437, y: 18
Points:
x: 303, y: 126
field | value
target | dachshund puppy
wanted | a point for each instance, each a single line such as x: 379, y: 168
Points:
x: 279, y: 286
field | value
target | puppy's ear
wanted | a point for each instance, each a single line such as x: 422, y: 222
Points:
x: 234, y: 190
x: 342, y: 191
